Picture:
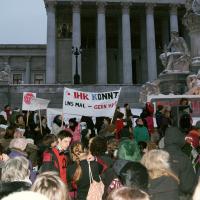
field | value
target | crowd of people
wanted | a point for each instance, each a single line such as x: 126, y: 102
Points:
x: 126, y: 157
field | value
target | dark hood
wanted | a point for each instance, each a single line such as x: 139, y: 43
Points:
x: 174, y: 137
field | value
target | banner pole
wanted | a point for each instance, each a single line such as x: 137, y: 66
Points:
x: 27, y: 118
x: 116, y: 106
x: 62, y: 119
x: 40, y: 121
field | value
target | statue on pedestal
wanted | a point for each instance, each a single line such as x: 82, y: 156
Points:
x: 176, y: 55
x: 5, y: 73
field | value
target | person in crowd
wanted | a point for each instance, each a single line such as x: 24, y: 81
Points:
x: 45, y: 128
x: 179, y: 161
x: 196, y: 194
x: 3, y: 158
x: 14, y: 114
x: 90, y: 124
x: 128, y: 150
x: 2, y: 120
x: 116, y: 114
x: 128, y: 193
x: 74, y: 126
x: 127, y: 130
x: 192, y: 148
x: 57, y: 125
x: 50, y: 185
x: 129, y: 115
x: 112, y: 148
x: 24, y: 195
x: 19, y: 122
x: 78, y: 171
x: 140, y: 132
x: 165, y: 122
x: 98, y: 148
x: 9, y: 135
x: 55, y: 159
x: 17, y: 149
x: 15, y: 176
x: 6, y: 112
x: 49, y: 141
x: 147, y: 115
x: 134, y: 175
x: 159, y: 115
x: 119, y: 124
x: 107, y: 129
x: 163, y: 183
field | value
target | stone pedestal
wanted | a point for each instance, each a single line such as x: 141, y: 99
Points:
x: 173, y: 82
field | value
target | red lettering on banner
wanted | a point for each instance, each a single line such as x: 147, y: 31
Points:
x: 81, y: 95
x: 100, y: 106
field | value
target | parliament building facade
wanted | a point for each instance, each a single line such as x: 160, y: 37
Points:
x: 120, y: 42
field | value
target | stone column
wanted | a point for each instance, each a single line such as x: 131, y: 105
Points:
x: 165, y: 31
x: 51, y: 44
x: 101, y: 45
x: 173, y: 18
x: 28, y: 71
x: 143, y: 50
x: 126, y: 45
x: 76, y: 35
x: 151, y: 44
x: 120, y: 58
x: 192, y: 22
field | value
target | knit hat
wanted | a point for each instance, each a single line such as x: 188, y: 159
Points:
x: 18, y: 143
x: 192, y: 138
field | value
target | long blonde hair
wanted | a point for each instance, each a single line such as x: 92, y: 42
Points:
x: 157, y: 164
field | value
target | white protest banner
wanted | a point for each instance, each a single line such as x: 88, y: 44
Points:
x: 40, y: 104
x: 91, y: 104
x: 27, y: 101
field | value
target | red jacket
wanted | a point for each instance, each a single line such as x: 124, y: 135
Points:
x: 53, y: 160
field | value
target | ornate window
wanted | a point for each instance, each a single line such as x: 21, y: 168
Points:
x: 38, y: 78
x: 17, y: 78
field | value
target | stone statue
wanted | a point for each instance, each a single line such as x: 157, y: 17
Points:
x: 176, y: 55
x: 5, y: 73
x: 193, y: 83
x: 149, y: 88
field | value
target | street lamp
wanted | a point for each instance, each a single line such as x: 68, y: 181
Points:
x: 76, y: 51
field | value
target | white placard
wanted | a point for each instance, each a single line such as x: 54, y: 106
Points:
x: 90, y: 104
x: 27, y: 101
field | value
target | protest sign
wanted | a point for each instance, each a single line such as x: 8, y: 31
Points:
x: 27, y: 101
x: 91, y: 104
x: 40, y: 104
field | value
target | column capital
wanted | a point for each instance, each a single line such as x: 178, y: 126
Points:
x: 125, y: 6
x: 173, y: 8
x: 50, y: 4
x: 150, y: 7
x: 101, y: 7
x: 76, y: 6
